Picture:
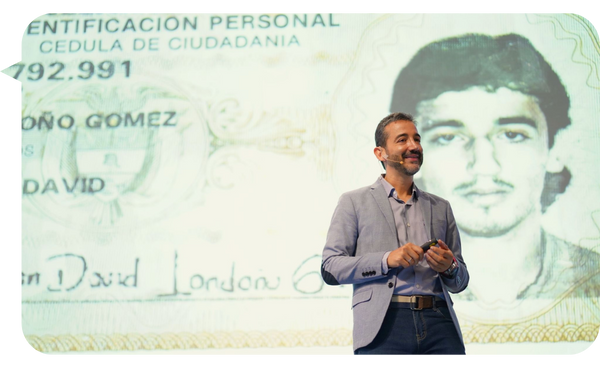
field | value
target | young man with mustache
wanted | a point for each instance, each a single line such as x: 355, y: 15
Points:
x: 489, y: 109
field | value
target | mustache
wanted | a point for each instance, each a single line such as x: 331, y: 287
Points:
x: 413, y: 152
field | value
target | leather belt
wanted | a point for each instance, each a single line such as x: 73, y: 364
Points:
x: 417, y: 302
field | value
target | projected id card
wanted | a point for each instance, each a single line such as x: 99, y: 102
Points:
x: 179, y: 172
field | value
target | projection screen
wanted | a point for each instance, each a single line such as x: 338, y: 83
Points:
x: 179, y: 173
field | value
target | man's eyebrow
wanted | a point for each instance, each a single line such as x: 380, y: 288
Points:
x: 518, y: 120
x: 406, y: 135
x: 432, y: 124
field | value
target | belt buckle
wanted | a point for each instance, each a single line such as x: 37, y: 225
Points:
x: 414, y: 303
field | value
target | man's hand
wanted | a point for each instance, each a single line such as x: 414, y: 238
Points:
x: 439, y: 258
x: 407, y: 255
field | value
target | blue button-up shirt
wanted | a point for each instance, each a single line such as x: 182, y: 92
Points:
x: 418, y: 279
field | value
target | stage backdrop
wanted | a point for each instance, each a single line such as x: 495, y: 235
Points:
x: 179, y: 172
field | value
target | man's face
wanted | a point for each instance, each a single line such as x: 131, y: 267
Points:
x: 487, y: 154
x: 403, y: 146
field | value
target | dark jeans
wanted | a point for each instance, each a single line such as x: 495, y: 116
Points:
x: 404, y: 331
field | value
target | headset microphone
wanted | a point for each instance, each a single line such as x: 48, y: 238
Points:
x: 386, y: 157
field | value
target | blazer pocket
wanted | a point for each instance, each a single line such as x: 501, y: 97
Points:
x: 361, y: 297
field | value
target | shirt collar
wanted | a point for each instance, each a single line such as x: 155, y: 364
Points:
x: 391, y: 191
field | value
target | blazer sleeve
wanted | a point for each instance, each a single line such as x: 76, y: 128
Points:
x: 460, y: 281
x: 340, y: 264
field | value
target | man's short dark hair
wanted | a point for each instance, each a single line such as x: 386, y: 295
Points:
x: 471, y: 60
x: 380, y: 134
x: 459, y: 63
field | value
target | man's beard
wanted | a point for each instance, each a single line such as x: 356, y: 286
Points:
x: 486, y: 219
x: 410, y: 171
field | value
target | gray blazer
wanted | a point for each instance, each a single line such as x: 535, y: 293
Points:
x: 362, y: 230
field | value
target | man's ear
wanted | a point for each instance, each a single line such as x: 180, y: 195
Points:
x: 554, y: 164
x: 380, y: 153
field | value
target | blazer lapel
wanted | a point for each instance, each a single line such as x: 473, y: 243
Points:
x: 381, y: 197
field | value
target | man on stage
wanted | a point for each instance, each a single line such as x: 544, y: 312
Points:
x: 401, y: 302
